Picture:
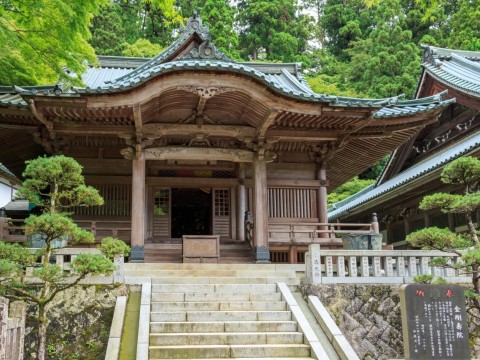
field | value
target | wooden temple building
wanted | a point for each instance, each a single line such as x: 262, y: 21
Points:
x: 187, y: 142
x: 414, y: 168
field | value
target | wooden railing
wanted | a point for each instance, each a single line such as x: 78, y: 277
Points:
x: 370, y: 266
x: 12, y: 230
x: 103, y: 228
x: 308, y: 233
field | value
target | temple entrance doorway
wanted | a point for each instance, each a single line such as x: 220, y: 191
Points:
x: 191, y: 212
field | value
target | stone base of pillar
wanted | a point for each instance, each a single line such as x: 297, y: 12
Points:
x: 261, y: 254
x: 137, y: 254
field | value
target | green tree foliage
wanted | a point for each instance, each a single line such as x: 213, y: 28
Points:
x: 122, y: 23
x: 465, y: 172
x: 273, y: 30
x: 108, y: 31
x: 219, y: 16
x: 386, y: 63
x: 40, y: 38
x: 464, y: 26
x: 342, y: 22
x: 56, y: 185
x: 374, y: 171
x: 348, y: 189
x: 141, y: 48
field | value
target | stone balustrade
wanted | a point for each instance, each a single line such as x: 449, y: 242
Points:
x: 370, y: 266
x: 63, y: 257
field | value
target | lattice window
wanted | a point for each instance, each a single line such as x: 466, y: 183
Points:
x: 397, y: 233
x: 161, y: 203
x: 440, y: 220
x: 461, y: 219
x: 290, y: 203
x: 117, y: 201
x: 222, y: 202
x: 417, y: 224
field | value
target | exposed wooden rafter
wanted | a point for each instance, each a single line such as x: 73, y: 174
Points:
x: 137, y: 116
x: 40, y: 117
x: 268, y: 120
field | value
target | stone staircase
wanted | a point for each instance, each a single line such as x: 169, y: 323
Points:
x: 231, y: 320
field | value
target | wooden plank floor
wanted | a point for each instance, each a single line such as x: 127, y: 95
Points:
x: 170, y: 251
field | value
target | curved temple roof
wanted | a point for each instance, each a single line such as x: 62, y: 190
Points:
x: 373, y: 192
x: 457, y: 68
x: 118, y: 74
x: 268, y: 100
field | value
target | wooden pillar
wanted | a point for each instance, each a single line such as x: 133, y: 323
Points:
x: 321, y: 174
x: 138, y: 209
x: 241, y: 202
x: 260, y: 230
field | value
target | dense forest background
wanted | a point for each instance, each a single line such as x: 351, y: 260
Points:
x: 362, y: 48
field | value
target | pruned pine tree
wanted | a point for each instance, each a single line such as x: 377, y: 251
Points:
x: 466, y: 173
x: 56, y: 185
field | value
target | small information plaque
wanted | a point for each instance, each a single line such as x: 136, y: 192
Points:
x: 434, y: 322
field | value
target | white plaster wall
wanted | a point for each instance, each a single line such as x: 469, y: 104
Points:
x: 5, y: 194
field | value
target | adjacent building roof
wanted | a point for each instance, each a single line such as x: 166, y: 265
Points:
x: 8, y: 175
x: 375, y: 191
x: 450, y: 70
x: 457, y: 68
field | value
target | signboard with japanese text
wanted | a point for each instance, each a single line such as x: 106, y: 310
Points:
x: 434, y: 322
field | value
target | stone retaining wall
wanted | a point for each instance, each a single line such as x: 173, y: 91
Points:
x: 369, y: 316
x: 79, y: 323
x: 12, y: 329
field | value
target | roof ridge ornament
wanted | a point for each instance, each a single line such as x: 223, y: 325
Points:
x: 206, y: 51
x: 195, y: 24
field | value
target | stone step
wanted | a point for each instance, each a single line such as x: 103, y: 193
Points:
x: 202, y: 316
x: 272, y: 358
x: 205, y: 288
x: 219, y: 280
x: 228, y: 351
x: 218, y: 305
x: 224, y: 296
x: 225, y: 326
x: 169, y: 273
x: 220, y: 338
x: 195, y: 266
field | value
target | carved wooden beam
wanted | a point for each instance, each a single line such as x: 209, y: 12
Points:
x: 302, y: 135
x: 201, y: 105
x: 78, y: 129
x: 266, y: 122
x: 159, y: 130
x: 39, y: 116
x: 198, y: 153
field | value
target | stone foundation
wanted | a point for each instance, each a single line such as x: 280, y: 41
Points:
x: 369, y: 317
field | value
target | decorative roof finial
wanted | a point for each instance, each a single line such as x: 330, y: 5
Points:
x: 195, y: 13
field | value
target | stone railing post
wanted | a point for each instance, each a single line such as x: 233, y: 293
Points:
x: 119, y: 273
x: 3, y: 225
x: 3, y: 327
x: 375, y: 225
x: 12, y: 329
x: 313, y: 266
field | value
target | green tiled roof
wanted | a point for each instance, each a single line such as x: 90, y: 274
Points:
x: 457, y: 68
x: 375, y: 191
x: 117, y: 74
